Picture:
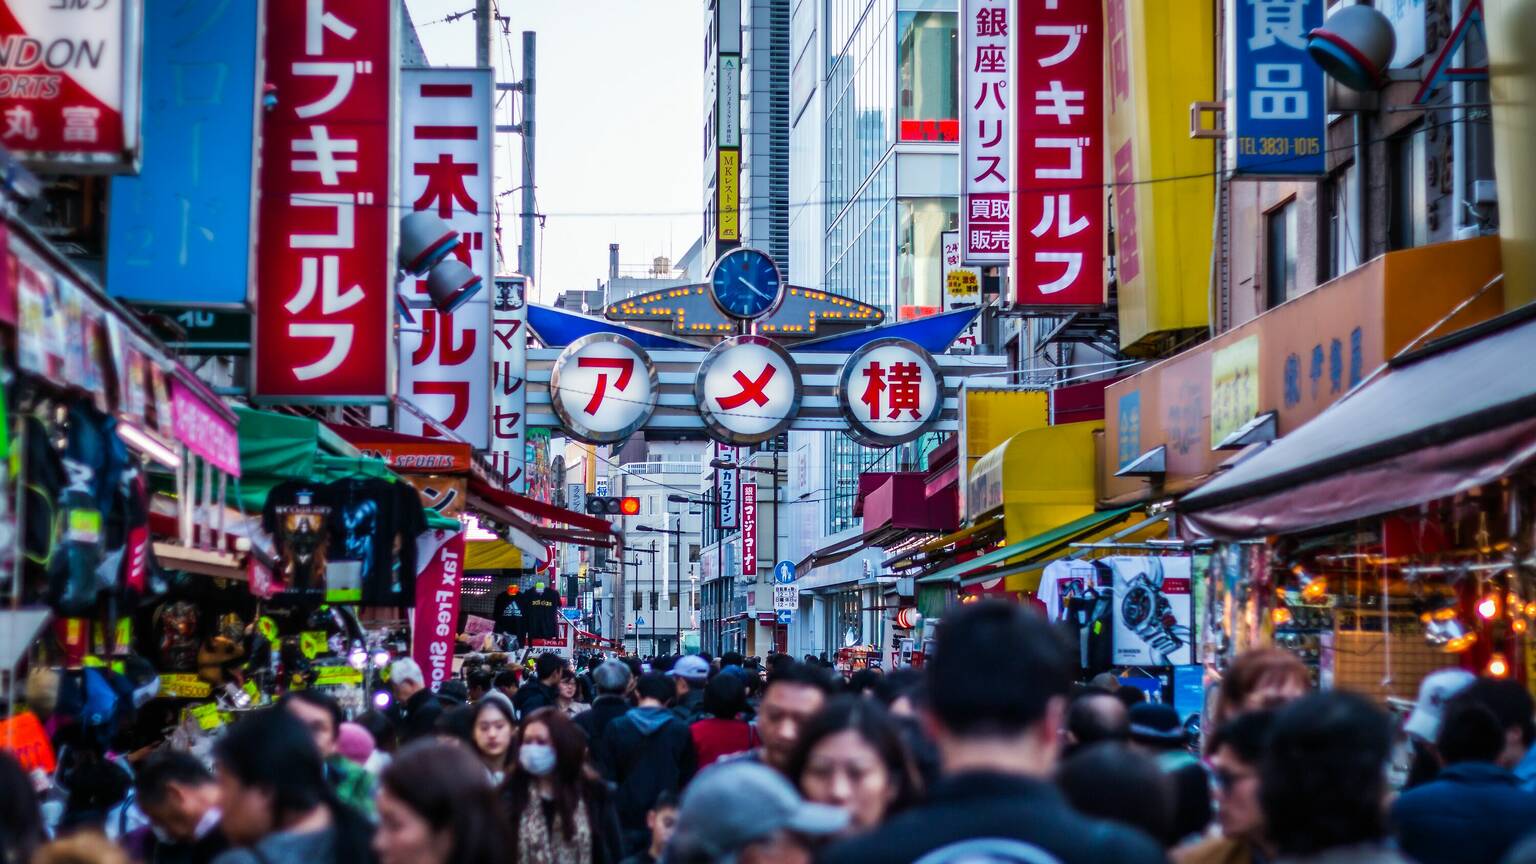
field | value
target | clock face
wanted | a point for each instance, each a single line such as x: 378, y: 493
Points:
x: 745, y: 283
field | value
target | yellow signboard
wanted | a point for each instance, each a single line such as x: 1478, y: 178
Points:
x: 962, y: 282
x: 728, y: 196
x: 1234, y: 387
x: 1161, y: 60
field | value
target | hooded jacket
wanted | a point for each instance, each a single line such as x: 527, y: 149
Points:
x: 646, y: 752
x: 1471, y: 811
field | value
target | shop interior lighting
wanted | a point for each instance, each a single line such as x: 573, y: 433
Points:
x: 1313, y: 587
x: 381, y: 700
x: 381, y: 658
x: 358, y: 658
x: 1498, y: 666
x: 1280, y: 615
x: 148, y: 445
x: 1488, y: 607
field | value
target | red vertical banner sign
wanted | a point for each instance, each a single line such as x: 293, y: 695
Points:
x: 325, y: 271
x: 749, y: 530
x: 435, y: 622
x: 1058, y: 207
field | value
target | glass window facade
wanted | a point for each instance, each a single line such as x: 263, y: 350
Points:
x: 928, y: 77
x: 860, y: 119
x: 921, y: 223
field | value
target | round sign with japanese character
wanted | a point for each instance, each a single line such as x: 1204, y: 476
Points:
x: 748, y: 390
x: 890, y: 391
x: 603, y: 388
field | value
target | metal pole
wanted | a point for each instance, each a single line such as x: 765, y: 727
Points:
x: 525, y: 263
x: 483, y: 33
x: 677, y: 608
x: 654, y: 604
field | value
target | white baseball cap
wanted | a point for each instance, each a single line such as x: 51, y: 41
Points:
x: 1436, y: 689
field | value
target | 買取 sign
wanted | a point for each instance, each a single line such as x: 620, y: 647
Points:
x: 1280, y: 121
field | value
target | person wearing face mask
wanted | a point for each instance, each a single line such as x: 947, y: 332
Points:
x: 559, y: 809
x: 181, y: 800
x: 431, y: 812
x: 851, y: 755
x: 491, y: 731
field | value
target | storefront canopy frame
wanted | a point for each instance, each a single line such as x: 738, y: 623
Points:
x: 1049, y: 540
x: 1456, y: 414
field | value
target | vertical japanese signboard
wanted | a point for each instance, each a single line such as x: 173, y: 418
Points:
x: 509, y: 377
x: 728, y: 197
x: 446, y: 169
x: 749, y: 530
x: 179, y: 232
x: 727, y: 481
x: 1058, y: 110
x: 1279, y: 119
x: 69, y: 83
x: 324, y: 259
x: 985, y: 138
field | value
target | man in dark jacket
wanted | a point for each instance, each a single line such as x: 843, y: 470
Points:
x: 180, y: 799
x: 1473, y: 810
x: 539, y: 691
x: 611, y: 681
x: 418, y: 707
x: 997, y: 683
x: 646, y: 752
x: 691, y: 672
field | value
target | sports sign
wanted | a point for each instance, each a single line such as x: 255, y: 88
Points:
x: 890, y: 391
x: 748, y: 390
x: 603, y: 387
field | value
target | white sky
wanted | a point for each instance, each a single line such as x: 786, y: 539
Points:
x: 619, y: 127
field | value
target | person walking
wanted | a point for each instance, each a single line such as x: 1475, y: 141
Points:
x: 1156, y: 731
x: 323, y: 717
x: 181, y: 801
x: 1323, y: 781
x: 1236, y: 748
x: 660, y: 821
x: 691, y: 674
x: 997, y: 686
x: 277, y: 806
x: 1116, y: 782
x: 541, y: 689
x: 746, y: 813
x: 418, y: 707
x: 611, y: 680
x: 491, y: 731
x: 851, y: 755
x: 1474, y: 809
x: 720, y: 730
x: 791, y: 698
x: 566, y: 692
x: 433, y: 811
x: 559, y: 809
x: 1260, y: 679
x: 647, y: 752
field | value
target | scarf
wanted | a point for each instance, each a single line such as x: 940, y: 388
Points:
x: 542, y: 841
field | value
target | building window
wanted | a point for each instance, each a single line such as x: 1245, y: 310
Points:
x: 1407, y: 187
x: 1280, y: 254
x: 928, y: 76
x: 919, y: 254
x: 1339, y: 255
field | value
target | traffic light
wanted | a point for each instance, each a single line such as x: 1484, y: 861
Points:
x: 604, y: 505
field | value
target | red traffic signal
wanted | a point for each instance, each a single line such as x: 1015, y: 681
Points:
x: 603, y: 505
x: 629, y: 506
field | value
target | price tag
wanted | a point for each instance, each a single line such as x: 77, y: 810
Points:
x: 208, y: 716
x: 329, y: 676
x: 83, y: 526
x: 312, y: 643
x: 267, y: 627
x: 184, y: 686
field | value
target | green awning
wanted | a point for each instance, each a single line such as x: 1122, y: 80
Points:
x: 1036, y: 545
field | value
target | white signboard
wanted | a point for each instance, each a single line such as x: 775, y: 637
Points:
x: 509, y: 380
x: 728, y: 102
x: 727, y: 481
x: 786, y: 598
x: 445, y: 168
x: 962, y: 284
x: 603, y: 388
x: 1153, y: 609
x: 985, y: 130
x: 748, y: 390
x: 890, y: 391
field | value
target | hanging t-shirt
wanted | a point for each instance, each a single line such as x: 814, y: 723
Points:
x: 509, y: 616
x: 541, y: 613
x: 1062, y: 580
x: 375, y: 522
x: 298, y: 516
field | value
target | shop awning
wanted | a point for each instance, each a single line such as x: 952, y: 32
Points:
x: 1456, y: 414
x: 963, y: 540
x: 1024, y: 575
x: 1038, y: 479
x: 480, y: 555
x: 1040, y: 544
x: 574, y: 527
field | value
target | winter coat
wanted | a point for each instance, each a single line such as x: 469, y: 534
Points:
x: 714, y: 737
x: 532, y: 696
x: 646, y: 752
x: 418, y: 716
x: 1471, y: 811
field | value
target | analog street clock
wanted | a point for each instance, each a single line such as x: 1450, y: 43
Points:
x: 745, y: 284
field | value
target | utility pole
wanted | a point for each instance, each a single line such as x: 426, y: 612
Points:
x: 483, y: 31
x: 529, y: 214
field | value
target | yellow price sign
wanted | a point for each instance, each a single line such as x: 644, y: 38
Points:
x: 962, y: 283
x: 267, y: 627
x: 208, y: 715
x: 184, y: 686
x: 312, y: 643
x: 330, y: 676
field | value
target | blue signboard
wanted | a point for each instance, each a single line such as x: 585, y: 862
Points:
x: 180, y: 232
x: 784, y: 616
x: 784, y: 573
x: 570, y: 614
x: 1279, y: 120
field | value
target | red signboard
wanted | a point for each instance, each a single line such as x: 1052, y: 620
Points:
x: 1059, y: 172
x: 435, y: 624
x: 749, y: 530
x: 325, y: 270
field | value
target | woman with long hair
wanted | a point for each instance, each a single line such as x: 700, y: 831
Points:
x: 492, y: 729
x: 567, y: 689
x: 560, y: 810
x: 276, y: 801
x: 852, y: 755
x: 433, y: 811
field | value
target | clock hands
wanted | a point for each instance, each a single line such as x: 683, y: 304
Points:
x: 753, y: 288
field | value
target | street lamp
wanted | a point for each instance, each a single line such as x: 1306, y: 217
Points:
x: 704, y: 629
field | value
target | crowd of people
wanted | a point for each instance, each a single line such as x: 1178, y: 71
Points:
x: 991, y: 753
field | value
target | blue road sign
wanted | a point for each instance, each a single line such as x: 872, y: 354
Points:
x: 784, y: 616
x: 784, y: 573
x: 570, y: 613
